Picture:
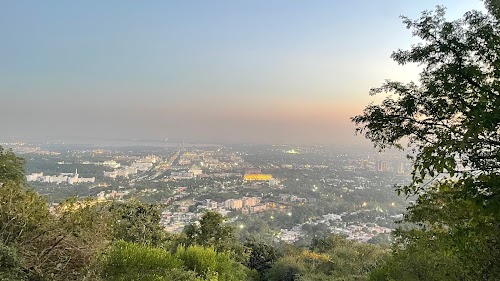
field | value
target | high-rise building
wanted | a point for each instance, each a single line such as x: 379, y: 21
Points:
x: 401, y: 169
x: 381, y: 166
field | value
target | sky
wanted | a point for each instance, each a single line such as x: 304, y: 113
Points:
x: 256, y: 71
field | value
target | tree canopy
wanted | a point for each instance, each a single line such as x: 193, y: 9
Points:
x: 450, y: 122
x: 137, y: 222
x: 213, y: 232
x: 11, y: 167
x: 450, y: 118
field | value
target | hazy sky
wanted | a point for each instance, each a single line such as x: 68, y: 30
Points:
x: 235, y: 71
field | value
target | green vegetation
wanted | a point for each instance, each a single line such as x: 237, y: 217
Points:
x: 212, y: 232
x: 131, y: 261
x: 11, y: 167
x: 328, y: 258
x: 137, y: 222
x: 450, y: 122
x: 39, y: 245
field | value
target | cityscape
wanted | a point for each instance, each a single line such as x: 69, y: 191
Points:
x: 297, y: 192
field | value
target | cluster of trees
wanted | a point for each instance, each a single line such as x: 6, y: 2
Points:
x: 36, y: 243
x: 450, y: 121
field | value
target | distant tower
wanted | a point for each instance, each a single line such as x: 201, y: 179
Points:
x: 401, y: 168
x: 381, y: 166
x: 75, y: 178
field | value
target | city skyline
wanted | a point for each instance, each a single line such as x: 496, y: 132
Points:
x: 259, y: 72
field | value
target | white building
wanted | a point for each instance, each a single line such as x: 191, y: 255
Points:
x: 111, y: 163
x: 34, y: 177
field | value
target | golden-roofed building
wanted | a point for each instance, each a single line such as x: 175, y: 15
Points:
x: 257, y: 177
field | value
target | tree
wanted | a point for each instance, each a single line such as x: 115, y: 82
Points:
x: 138, y: 222
x: 262, y: 255
x: 493, y: 7
x: 22, y: 214
x: 450, y: 119
x: 41, y: 245
x: 213, y: 232
x: 450, y: 122
x: 80, y: 232
x: 11, y: 167
x: 425, y: 258
x: 287, y: 268
x: 10, y: 264
x: 347, y: 260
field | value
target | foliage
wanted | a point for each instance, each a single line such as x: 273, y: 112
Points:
x: 262, y: 255
x: 55, y: 247
x: 22, y: 213
x: 451, y: 118
x: 58, y: 247
x: 329, y: 258
x: 287, y: 268
x: 450, y: 121
x: 130, y: 261
x: 493, y: 7
x: 79, y: 233
x: 210, y: 264
x: 213, y: 232
x: 11, y: 167
x: 10, y: 264
x: 137, y: 222
x: 348, y: 259
x: 457, y: 239
x: 427, y: 257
